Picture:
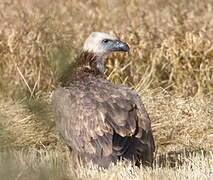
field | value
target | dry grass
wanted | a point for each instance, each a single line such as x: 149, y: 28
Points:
x: 43, y: 165
x: 171, y: 42
x: 170, y: 64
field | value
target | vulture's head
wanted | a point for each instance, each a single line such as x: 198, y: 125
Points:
x: 101, y: 44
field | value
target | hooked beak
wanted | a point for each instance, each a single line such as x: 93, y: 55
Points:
x: 120, y: 46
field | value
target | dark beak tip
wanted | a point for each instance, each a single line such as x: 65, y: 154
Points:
x: 121, y: 46
x: 126, y: 48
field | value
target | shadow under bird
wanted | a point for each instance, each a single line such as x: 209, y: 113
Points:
x: 100, y: 121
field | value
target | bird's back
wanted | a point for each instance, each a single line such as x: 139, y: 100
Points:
x: 103, y: 122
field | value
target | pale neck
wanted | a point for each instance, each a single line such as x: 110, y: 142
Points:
x: 100, y: 63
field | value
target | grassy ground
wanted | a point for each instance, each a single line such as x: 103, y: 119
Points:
x: 42, y: 165
x: 170, y: 65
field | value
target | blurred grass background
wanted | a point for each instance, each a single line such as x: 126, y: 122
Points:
x: 170, y: 65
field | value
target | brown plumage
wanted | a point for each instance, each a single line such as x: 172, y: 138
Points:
x: 100, y: 121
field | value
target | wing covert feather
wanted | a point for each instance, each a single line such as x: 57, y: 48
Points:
x: 91, y: 112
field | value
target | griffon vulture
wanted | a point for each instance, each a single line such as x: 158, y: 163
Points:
x: 100, y: 121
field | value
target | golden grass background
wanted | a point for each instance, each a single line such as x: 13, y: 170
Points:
x: 170, y: 65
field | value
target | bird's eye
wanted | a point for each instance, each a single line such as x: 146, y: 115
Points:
x: 105, y: 41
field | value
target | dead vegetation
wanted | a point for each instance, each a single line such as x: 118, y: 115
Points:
x: 171, y: 44
x: 170, y: 64
x: 42, y: 165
